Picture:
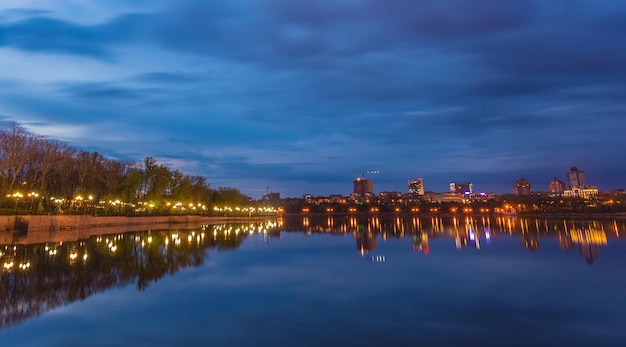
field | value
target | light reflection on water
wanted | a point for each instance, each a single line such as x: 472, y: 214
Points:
x: 429, y: 280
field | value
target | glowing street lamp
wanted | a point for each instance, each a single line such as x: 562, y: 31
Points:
x: 17, y: 196
x: 32, y: 196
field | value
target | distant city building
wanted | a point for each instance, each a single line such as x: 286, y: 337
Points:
x: 363, y: 186
x: 556, y: 187
x: 577, y: 184
x: 587, y: 192
x: 483, y: 196
x: 444, y: 197
x: 390, y: 196
x: 461, y: 188
x: 576, y: 178
x: 271, y: 197
x: 522, y: 187
x: 416, y: 186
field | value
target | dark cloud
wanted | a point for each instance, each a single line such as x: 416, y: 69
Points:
x: 168, y: 78
x: 101, y: 92
x: 419, y: 88
x: 452, y: 18
x: 50, y: 35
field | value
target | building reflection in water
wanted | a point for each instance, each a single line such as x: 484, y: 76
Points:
x: 530, y: 239
x: 466, y: 232
x: 420, y: 242
x: 588, y: 238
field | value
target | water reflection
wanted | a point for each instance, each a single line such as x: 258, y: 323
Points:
x: 36, y: 278
x: 467, y: 232
x: 39, y: 277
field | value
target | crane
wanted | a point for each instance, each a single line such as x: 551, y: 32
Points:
x: 369, y: 172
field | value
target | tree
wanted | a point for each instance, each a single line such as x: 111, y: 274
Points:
x: 230, y: 196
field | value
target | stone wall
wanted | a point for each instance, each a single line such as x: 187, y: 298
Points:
x: 29, y: 229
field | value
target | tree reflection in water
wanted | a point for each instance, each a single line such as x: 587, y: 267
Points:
x: 40, y: 277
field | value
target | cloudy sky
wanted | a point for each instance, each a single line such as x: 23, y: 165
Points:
x: 303, y: 96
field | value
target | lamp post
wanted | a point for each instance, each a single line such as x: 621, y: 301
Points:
x: 90, y: 198
x: 79, y: 204
x: 32, y: 196
x: 16, y: 196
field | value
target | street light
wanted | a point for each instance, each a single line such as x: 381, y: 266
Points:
x: 16, y: 196
x: 79, y: 204
x: 32, y: 196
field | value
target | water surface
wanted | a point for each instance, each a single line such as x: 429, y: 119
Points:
x: 350, y: 281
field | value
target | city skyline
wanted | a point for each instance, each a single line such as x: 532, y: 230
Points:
x: 257, y: 94
x: 521, y: 186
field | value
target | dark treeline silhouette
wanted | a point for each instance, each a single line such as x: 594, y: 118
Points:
x: 39, y: 175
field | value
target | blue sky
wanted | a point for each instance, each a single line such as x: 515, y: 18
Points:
x: 302, y: 97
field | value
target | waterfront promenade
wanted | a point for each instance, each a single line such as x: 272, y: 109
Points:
x: 30, y: 229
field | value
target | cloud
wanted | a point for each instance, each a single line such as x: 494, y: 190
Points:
x: 49, y: 35
x: 320, y: 92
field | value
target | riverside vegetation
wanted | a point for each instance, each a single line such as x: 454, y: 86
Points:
x: 42, y: 176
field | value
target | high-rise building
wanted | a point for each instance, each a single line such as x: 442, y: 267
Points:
x: 461, y: 188
x: 556, y: 187
x: 416, y: 186
x: 576, y: 178
x: 363, y: 186
x: 522, y: 187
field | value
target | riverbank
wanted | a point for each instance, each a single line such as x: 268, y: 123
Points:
x: 29, y: 229
x: 569, y: 215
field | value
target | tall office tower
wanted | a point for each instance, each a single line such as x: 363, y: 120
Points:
x: 556, y: 187
x: 522, y: 187
x: 461, y: 188
x: 363, y: 186
x: 416, y: 186
x: 576, y: 178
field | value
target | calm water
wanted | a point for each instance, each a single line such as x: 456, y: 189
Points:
x: 329, y: 281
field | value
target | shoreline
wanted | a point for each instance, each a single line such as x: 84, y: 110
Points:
x: 32, y: 229
x: 572, y: 215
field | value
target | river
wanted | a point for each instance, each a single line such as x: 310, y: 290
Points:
x: 311, y: 281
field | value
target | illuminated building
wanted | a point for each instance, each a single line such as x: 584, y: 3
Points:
x: 587, y: 192
x: 390, y: 196
x: 363, y: 186
x: 577, y: 184
x: 461, y: 188
x: 556, y: 187
x: 444, y: 197
x: 416, y: 186
x: 576, y: 178
x: 522, y: 187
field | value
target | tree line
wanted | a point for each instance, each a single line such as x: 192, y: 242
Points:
x: 41, y: 175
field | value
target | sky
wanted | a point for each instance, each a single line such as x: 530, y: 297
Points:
x: 302, y: 97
